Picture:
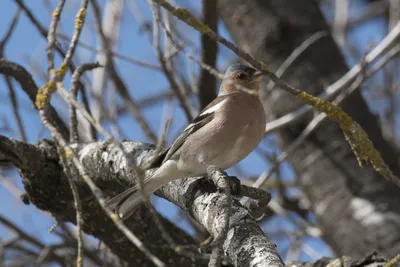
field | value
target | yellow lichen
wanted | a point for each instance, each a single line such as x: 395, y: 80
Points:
x: 79, y: 261
x: 115, y: 217
x: 86, y: 179
x: 80, y: 19
x: 68, y: 153
x: 394, y: 262
x: 44, y: 94
x: 61, y: 71
x: 264, y: 67
x: 64, y: 152
x: 327, y: 107
x: 357, y: 138
x: 185, y: 15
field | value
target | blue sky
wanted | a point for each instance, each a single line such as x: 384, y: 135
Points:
x: 26, y: 45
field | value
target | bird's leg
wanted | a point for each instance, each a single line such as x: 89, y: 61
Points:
x: 234, y: 184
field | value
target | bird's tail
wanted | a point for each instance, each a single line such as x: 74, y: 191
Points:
x: 125, y: 202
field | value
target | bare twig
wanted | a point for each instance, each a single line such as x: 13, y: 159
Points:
x: 318, y: 119
x: 29, y: 86
x: 14, y: 104
x: 9, y: 32
x: 357, y: 138
x: 332, y: 90
x: 110, y: 26
x: 168, y: 74
x: 69, y: 152
x: 77, y: 205
x: 29, y: 238
x: 79, y: 21
x: 138, y: 173
x: 131, y: 105
x: 113, y: 53
x: 73, y: 133
x: 44, y: 94
x: 296, y: 53
x: 43, y: 32
x: 12, y: 96
x: 51, y: 36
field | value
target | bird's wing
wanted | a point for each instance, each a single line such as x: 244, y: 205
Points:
x: 204, y: 117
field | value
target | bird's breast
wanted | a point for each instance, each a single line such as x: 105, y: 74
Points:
x: 228, y: 138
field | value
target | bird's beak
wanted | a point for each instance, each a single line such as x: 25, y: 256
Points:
x: 258, y: 76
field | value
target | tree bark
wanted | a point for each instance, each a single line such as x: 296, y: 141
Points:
x: 357, y: 209
x: 48, y: 189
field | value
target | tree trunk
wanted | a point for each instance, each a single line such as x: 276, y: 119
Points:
x: 357, y: 209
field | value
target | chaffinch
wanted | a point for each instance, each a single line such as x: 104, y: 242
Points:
x: 223, y: 133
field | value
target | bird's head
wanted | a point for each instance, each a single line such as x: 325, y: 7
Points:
x: 245, y: 76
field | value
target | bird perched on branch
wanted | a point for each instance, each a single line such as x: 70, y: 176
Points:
x: 223, y: 133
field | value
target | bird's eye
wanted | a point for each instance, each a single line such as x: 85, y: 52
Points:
x: 241, y: 76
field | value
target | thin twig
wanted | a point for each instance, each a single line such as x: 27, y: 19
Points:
x: 138, y: 172
x: 189, y: 19
x: 110, y: 26
x: 51, y: 36
x: 73, y: 130
x: 113, y: 53
x: 320, y: 118
x: 14, y: 104
x: 161, y: 58
x: 9, y: 32
x: 98, y: 193
x: 79, y: 21
x: 68, y: 151
x: 12, y: 96
x: 43, y: 32
x: 296, y: 53
x: 29, y: 238
x: 131, y: 105
x: 332, y: 90
x: 77, y: 205
x: 44, y: 94
x: 30, y: 88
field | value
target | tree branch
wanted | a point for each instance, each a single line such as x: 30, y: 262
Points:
x: 209, y: 50
x: 29, y: 86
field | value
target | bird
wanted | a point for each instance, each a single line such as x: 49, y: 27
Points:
x: 224, y: 132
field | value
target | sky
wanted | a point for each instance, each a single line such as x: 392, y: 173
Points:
x: 27, y: 46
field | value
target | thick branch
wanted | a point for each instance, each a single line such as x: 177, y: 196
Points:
x: 48, y: 189
x: 45, y: 182
x: 29, y: 86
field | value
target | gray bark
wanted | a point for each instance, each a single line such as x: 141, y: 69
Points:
x: 357, y: 209
x: 48, y: 189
